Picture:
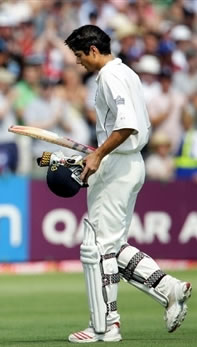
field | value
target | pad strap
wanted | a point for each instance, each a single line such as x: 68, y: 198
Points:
x: 127, y: 273
x: 154, y: 279
x: 110, y: 279
x: 108, y: 256
x: 112, y: 306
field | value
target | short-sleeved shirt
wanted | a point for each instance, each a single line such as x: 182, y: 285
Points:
x: 26, y: 95
x: 120, y: 104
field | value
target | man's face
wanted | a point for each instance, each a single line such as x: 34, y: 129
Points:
x: 88, y: 61
x: 31, y: 74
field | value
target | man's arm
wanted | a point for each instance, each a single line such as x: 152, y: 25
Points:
x: 92, y: 161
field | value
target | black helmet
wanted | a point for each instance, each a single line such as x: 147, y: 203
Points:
x: 64, y: 181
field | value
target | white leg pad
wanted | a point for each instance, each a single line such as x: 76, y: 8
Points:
x: 111, y: 278
x: 90, y: 258
x: 141, y: 271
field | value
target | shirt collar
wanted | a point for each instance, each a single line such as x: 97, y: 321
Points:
x: 115, y: 61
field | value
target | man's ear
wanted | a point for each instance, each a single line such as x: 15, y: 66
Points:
x: 94, y: 49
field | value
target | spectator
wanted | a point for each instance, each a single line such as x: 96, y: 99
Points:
x: 55, y: 54
x: 18, y: 11
x: 26, y: 38
x: 43, y: 112
x: 164, y: 52
x: 148, y: 35
x: 191, y: 107
x: 147, y: 14
x: 175, y: 11
x: 165, y: 109
x: 126, y: 44
x: 9, y: 60
x: 182, y: 36
x: 66, y: 16
x: 189, y: 17
x: 75, y: 93
x: 102, y: 8
x: 26, y: 89
x: 75, y: 90
x: 8, y: 146
x: 148, y: 69
x: 52, y: 111
x: 186, y: 81
x: 150, y: 40
x: 130, y: 46
x: 41, y: 11
x: 186, y: 157
x: 73, y: 116
x: 160, y: 162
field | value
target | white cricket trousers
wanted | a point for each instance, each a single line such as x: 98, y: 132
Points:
x: 112, y: 194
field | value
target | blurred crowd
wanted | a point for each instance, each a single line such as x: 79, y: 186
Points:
x: 41, y: 85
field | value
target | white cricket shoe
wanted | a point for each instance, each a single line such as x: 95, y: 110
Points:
x: 177, y: 308
x: 89, y: 335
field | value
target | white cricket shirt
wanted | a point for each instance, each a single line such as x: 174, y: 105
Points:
x: 120, y: 104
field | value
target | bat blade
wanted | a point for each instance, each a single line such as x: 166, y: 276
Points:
x: 51, y: 137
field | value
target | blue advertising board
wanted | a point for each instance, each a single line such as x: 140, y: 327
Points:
x: 14, y: 218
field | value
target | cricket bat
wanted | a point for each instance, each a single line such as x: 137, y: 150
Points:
x: 51, y: 137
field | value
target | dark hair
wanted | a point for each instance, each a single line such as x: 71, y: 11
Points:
x: 82, y: 38
x: 166, y: 73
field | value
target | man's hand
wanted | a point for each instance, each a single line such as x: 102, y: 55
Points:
x: 91, y: 162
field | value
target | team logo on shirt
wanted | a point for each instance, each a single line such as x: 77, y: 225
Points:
x: 119, y: 100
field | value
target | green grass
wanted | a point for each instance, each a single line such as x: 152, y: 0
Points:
x: 41, y: 310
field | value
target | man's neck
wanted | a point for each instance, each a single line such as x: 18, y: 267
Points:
x: 104, y: 59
